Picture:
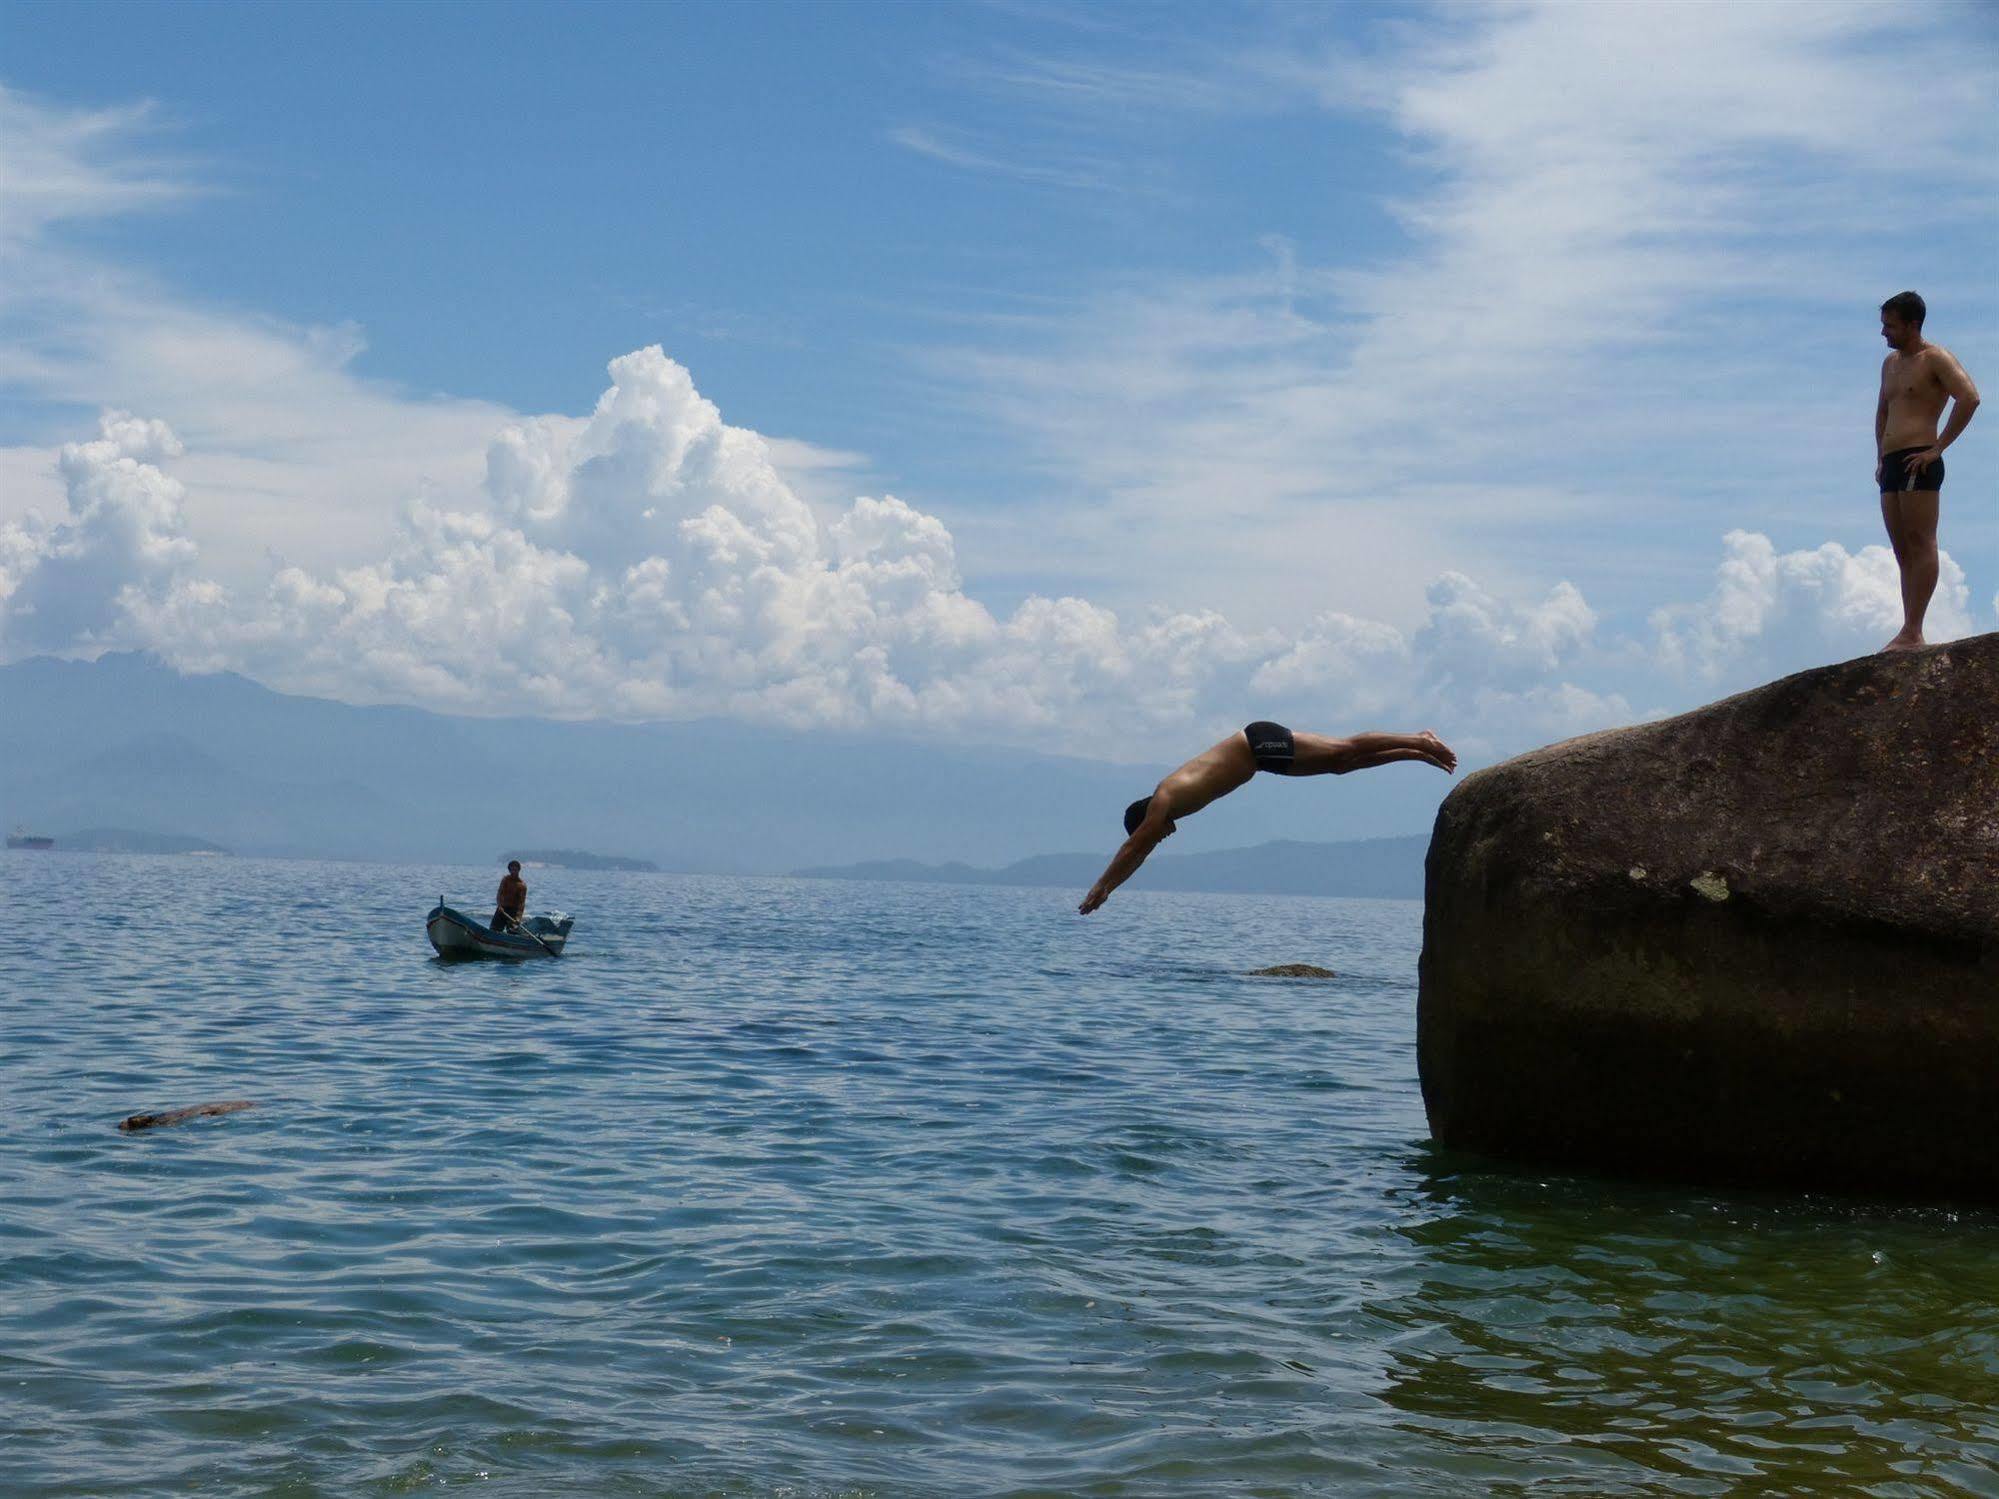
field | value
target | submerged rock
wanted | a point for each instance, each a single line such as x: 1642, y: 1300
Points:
x: 136, y: 1122
x: 1293, y: 971
x: 1758, y: 942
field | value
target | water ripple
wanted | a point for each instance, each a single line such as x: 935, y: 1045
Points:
x: 782, y: 1188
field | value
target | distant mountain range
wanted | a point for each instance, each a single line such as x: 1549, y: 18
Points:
x: 1384, y: 868
x: 126, y: 742
x: 133, y: 841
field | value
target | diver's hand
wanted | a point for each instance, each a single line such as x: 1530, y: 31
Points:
x: 1099, y: 893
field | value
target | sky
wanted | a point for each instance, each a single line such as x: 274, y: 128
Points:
x: 1087, y: 378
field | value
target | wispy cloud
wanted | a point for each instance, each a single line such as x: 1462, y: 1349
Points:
x: 64, y: 165
x: 953, y: 150
x: 1618, y: 220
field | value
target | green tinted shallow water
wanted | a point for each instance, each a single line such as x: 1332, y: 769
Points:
x: 780, y: 1187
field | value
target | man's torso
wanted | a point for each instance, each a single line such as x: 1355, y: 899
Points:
x: 1915, y: 398
x: 513, y: 893
x: 1211, y: 774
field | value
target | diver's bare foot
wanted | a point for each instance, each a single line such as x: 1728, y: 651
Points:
x: 1904, y: 642
x: 1440, y: 753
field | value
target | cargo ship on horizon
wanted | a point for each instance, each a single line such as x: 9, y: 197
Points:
x: 22, y: 838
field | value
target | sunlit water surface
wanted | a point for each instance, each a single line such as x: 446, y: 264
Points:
x: 776, y: 1187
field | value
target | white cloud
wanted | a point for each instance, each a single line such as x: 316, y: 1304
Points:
x: 305, y: 460
x: 1295, y: 455
x: 650, y: 561
x: 67, y: 584
x: 74, y: 164
x: 1611, y: 216
x: 1770, y: 613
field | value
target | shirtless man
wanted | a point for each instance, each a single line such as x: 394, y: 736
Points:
x: 1916, y: 379
x: 1218, y: 771
x: 513, y: 899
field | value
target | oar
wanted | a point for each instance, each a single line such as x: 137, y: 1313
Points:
x: 521, y: 927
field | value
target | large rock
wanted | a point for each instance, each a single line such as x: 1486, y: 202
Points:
x: 1755, y: 943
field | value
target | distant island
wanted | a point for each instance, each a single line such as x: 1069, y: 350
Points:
x: 134, y: 841
x: 1373, y: 868
x: 574, y: 858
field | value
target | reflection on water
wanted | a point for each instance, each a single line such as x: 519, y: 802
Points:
x: 1597, y: 1334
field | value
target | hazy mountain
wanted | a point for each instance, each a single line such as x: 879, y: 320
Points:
x: 132, y: 841
x: 576, y: 858
x: 1380, y: 867
x: 126, y: 742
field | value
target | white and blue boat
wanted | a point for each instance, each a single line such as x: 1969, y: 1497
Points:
x: 456, y: 935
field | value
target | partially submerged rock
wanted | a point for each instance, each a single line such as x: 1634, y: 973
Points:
x: 1758, y: 942
x: 137, y: 1122
x: 1293, y: 971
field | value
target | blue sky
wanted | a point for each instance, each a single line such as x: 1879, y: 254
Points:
x: 504, y: 196
x: 1344, y: 360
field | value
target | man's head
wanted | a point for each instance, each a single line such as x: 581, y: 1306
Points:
x: 1902, y: 319
x: 513, y: 866
x: 1135, y: 814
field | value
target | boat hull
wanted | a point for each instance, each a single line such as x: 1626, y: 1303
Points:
x: 456, y: 935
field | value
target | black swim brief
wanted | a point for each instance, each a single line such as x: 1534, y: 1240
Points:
x: 1898, y: 478
x: 1271, y: 745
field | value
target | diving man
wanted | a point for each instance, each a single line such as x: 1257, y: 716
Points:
x: 1216, y: 772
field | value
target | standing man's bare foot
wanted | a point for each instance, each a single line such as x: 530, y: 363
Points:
x: 1904, y: 642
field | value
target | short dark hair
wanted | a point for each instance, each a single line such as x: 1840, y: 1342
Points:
x: 513, y: 866
x: 1135, y: 814
x: 1907, y: 306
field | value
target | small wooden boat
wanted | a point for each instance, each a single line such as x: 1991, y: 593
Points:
x: 456, y: 935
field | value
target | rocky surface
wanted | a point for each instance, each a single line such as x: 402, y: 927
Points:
x: 1755, y: 943
x: 133, y: 1123
x: 1293, y: 971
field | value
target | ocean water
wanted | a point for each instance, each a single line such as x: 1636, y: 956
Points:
x: 774, y: 1187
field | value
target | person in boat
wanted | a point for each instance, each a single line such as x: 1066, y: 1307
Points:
x: 1216, y: 772
x: 513, y: 899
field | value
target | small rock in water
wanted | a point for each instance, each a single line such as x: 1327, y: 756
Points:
x: 1293, y: 971
x: 177, y: 1116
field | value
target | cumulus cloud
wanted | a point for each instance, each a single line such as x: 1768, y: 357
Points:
x: 1771, y: 612
x: 71, y: 582
x: 650, y: 561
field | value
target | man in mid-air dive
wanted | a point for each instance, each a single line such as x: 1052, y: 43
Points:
x: 1918, y: 379
x: 1216, y: 772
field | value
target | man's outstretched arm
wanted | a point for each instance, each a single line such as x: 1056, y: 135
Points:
x: 1124, y: 863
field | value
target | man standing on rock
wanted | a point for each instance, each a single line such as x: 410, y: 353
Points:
x: 1216, y: 772
x: 1917, y: 378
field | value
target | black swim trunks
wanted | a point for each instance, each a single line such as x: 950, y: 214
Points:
x: 1272, y: 746
x: 1898, y: 478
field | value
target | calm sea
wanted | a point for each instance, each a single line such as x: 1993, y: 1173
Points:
x: 790, y: 1188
